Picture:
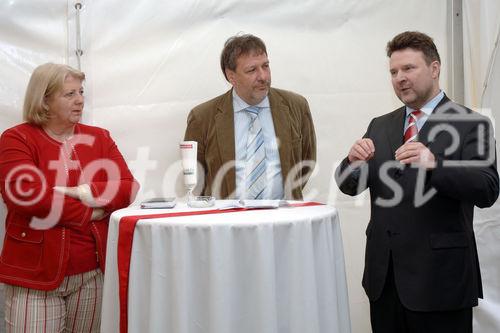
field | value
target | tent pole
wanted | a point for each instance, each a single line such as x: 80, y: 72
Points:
x: 78, y: 39
x: 456, y: 51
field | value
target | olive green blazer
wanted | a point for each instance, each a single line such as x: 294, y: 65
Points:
x: 211, y: 124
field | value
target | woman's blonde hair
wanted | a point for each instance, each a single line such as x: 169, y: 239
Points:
x: 46, y: 80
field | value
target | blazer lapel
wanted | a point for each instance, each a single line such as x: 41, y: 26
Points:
x: 224, y: 124
x: 434, y: 119
x: 280, y: 113
x: 395, y: 129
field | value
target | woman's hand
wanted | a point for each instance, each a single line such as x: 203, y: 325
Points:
x: 81, y: 192
x: 97, y: 214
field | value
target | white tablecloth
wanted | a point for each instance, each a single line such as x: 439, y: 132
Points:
x: 255, y: 271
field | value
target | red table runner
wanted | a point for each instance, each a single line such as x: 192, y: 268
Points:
x: 126, y: 229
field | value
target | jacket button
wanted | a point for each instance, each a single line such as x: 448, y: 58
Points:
x: 23, y: 234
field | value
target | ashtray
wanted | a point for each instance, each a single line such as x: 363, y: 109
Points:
x: 202, y: 201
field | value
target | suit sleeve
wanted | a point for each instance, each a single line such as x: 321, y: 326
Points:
x: 475, y: 178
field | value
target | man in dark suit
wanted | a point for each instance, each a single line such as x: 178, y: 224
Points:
x: 254, y: 141
x: 427, y: 165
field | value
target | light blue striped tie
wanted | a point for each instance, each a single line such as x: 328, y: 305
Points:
x: 255, y: 169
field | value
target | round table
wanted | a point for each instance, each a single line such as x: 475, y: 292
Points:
x: 272, y: 270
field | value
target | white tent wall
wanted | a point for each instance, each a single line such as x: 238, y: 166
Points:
x: 31, y: 33
x: 149, y: 62
x: 482, y: 84
x: 481, y: 24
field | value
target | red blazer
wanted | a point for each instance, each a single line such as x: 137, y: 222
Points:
x: 35, y: 258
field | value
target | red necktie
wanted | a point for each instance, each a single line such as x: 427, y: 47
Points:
x: 412, y: 131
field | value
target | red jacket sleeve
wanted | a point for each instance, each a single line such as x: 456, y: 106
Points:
x: 25, y: 187
x: 115, y: 188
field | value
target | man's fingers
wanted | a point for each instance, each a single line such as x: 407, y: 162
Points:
x: 405, y: 153
x: 362, y: 150
x: 367, y: 145
x: 416, y: 152
x: 370, y: 145
x: 409, y: 149
x: 410, y: 145
x: 359, y: 152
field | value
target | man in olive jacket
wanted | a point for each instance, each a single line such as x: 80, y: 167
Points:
x: 222, y: 127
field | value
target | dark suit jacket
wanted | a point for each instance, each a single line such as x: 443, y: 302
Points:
x: 211, y: 124
x: 432, y: 244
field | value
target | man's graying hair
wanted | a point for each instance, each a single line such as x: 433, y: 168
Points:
x: 236, y: 46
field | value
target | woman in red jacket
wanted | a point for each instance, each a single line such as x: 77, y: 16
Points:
x: 60, y: 180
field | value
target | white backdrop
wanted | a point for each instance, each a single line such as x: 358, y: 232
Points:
x: 482, y: 84
x: 149, y: 62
